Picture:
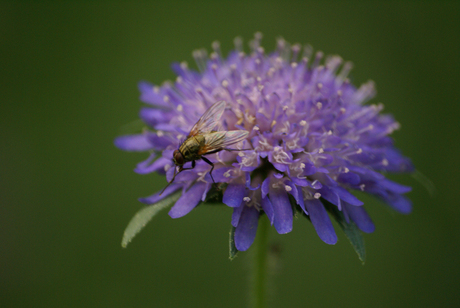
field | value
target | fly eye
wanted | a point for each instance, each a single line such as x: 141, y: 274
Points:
x: 178, y: 158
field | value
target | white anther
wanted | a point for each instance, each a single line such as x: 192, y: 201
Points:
x: 224, y: 83
x: 285, y: 108
x: 183, y: 65
x: 288, y: 188
x: 319, y: 105
x: 246, y: 199
x: 346, y: 170
x: 339, y: 93
x: 302, y: 165
x: 156, y: 89
x: 160, y: 133
x: 317, y: 195
x: 362, y: 187
x: 294, y: 64
x: 179, y: 108
x: 227, y: 173
x: 329, y: 132
x: 256, y: 127
x: 167, y: 167
x: 359, y: 151
x: 385, y: 162
x: 240, y: 154
x: 166, y: 98
x: 321, y: 150
x: 260, y: 87
x: 303, y: 123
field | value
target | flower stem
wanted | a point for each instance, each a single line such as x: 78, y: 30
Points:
x: 259, y: 270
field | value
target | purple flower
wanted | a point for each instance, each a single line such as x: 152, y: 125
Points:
x: 312, y: 140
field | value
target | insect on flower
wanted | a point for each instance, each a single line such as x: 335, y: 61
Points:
x: 202, y: 140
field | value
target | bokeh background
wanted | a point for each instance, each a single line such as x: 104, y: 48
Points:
x: 69, y: 74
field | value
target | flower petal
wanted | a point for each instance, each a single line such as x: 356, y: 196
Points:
x: 321, y: 222
x: 188, y: 201
x: 399, y: 203
x: 268, y: 209
x: 347, y: 196
x: 237, y: 214
x: 156, y: 197
x: 135, y: 143
x: 282, y: 209
x: 359, y: 215
x: 149, y: 96
x: 234, y: 194
x: 246, y: 230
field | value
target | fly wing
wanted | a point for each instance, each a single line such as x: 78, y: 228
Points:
x: 220, y: 140
x: 208, y: 120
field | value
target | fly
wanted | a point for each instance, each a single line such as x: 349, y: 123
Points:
x: 202, y: 140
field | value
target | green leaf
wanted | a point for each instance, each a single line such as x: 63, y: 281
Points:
x: 350, y: 229
x: 142, y: 217
x: 233, y: 251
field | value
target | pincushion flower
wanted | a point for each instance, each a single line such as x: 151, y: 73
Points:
x: 311, y: 140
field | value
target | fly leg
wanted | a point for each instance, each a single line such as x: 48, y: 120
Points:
x: 181, y: 168
x: 210, y: 172
x: 193, y: 166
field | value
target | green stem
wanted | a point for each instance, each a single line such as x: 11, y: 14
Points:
x: 259, y: 270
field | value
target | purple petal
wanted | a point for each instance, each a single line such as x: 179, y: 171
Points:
x: 268, y: 209
x: 349, y: 178
x: 298, y: 195
x: 149, y: 96
x: 265, y: 185
x: 399, y: 203
x: 246, y: 230
x: 206, y: 190
x: 282, y: 210
x: 143, y: 164
x: 234, y: 194
x: 394, y: 187
x: 359, y: 215
x: 328, y: 194
x: 135, y: 143
x: 321, y: 221
x: 153, y: 117
x: 144, y: 168
x: 160, y: 142
x: 188, y: 201
x: 347, y: 196
x: 236, y: 215
x: 156, y: 197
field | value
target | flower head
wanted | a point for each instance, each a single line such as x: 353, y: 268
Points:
x: 311, y: 139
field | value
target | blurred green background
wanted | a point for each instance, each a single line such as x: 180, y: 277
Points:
x: 69, y: 83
